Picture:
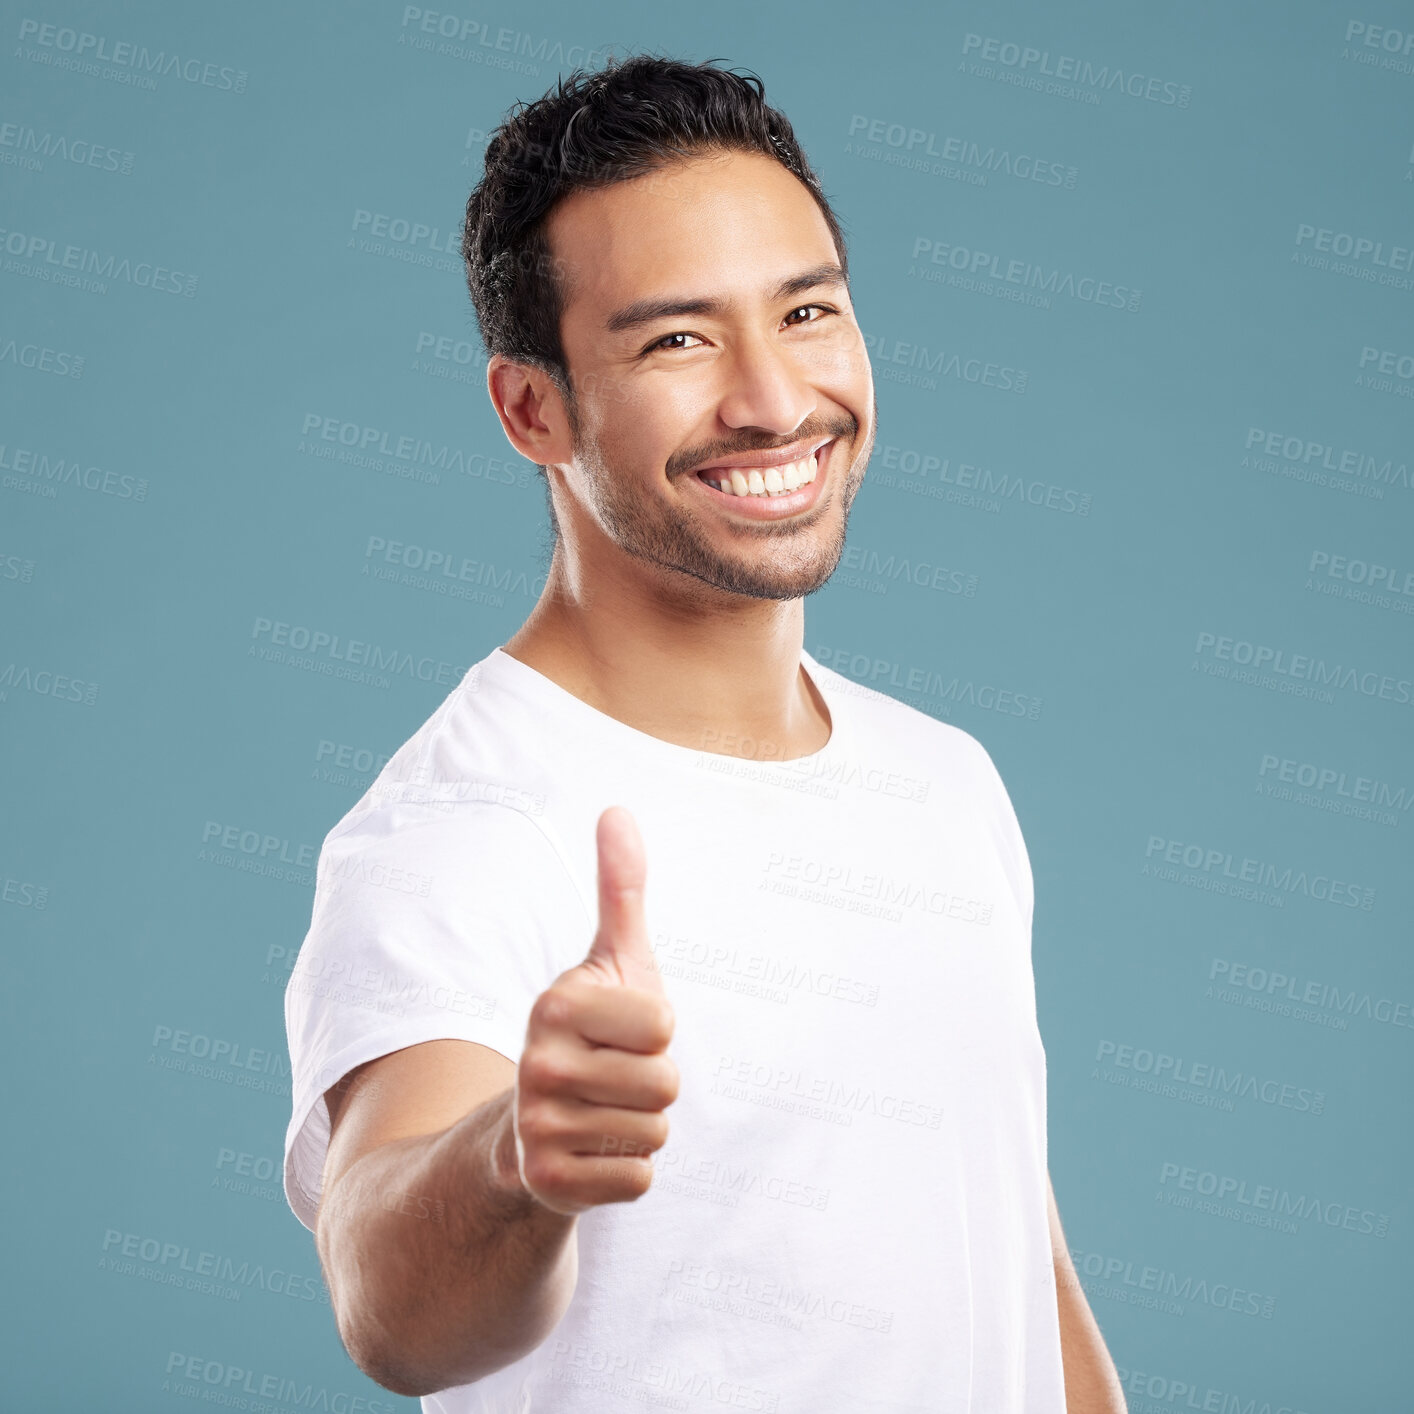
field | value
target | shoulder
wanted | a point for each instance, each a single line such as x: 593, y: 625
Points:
x: 929, y: 742
x: 421, y: 842
x: 950, y: 765
x: 469, y: 770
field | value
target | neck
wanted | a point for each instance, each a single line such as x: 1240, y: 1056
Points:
x: 712, y: 672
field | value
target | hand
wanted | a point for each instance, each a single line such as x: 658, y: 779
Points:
x: 594, y: 1077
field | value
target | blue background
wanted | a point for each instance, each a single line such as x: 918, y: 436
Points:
x: 1196, y: 472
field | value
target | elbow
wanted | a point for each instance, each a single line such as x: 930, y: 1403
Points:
x: 400, y: 1375
x: 395, y: 1381
x: 385, y: 1360
x: 404, y: 1383
x: 402, y: 1369
x: 416, y: 1337
x: 393, y: 1359
x: 371, y: 1340
x: 367, y: 1329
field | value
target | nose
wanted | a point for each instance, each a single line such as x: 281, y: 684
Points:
x: 765, y: 386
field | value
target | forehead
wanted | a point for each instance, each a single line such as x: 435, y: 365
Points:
x: 730, y: 225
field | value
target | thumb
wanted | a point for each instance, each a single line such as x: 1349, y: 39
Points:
x: 621, y: 948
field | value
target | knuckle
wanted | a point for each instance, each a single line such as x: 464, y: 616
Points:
x: 534, y: 1125
x: 544, y: 1174
x: 638, y: 1180
x: 660, y: 1021
x: 553, y: 1009
x: 668, y: 1083
x: 542, y: 1070
x: 529, y: 1074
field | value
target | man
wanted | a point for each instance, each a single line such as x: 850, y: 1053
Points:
x: 665, y: 1031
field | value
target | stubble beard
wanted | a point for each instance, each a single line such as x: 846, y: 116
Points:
x: 790, y: 562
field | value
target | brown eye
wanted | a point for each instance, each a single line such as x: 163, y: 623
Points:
x: 659, y: 343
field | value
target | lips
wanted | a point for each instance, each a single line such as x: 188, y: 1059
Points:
x: 766, y: 506
x: 762, y: 481
x: 761, y: 460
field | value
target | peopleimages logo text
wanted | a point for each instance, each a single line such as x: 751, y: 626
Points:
x: 1263, y: 873
x: 1263, y: 658
x: 322, y: 643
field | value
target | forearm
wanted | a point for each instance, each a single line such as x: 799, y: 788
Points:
x: 441, y: 1267
x: 1091, y: 1382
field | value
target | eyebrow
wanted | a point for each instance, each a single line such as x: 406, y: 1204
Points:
x: 647, y: 311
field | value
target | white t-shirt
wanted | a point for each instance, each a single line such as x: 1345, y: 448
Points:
x: 850, y: 1211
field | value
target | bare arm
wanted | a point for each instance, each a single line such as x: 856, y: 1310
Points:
x: 1091, y: 1381
x: 441, y: 1267
x: 454, y: 1176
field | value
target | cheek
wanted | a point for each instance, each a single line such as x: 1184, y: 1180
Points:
x: 626, y: 443
x: 845, y: 363
x: 646, y: 425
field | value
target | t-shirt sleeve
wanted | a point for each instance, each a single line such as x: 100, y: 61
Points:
x: 1011, y: 843
x: 430, y: 921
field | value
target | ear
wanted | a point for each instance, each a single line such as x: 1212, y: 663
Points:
x: 531, y: 410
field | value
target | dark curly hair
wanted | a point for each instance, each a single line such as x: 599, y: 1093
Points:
x: 595, y: 128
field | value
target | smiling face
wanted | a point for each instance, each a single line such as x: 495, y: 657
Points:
x: 707, y: 329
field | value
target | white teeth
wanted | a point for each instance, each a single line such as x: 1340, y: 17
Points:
x: 773, y: 481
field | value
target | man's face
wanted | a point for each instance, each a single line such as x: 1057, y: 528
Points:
x: 705, y: 322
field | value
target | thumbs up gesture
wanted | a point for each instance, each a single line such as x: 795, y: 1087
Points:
x: 594, y: 1077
